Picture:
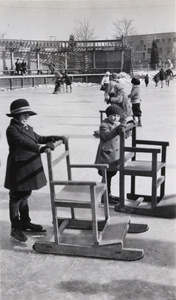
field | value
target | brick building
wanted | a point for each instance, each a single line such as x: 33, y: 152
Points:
x: 141, y: 48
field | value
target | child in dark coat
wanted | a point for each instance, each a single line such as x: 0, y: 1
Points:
x: 58, y: 82
x: 68, y: 82
x: 162, y: 77
x: 108, y: 149
x: 24, y: 171
x: 146, y: 79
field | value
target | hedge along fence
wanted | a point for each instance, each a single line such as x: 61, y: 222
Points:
x: 16, y: 82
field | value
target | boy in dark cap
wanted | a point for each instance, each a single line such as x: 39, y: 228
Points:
x: 24, y: 171
x: 108, y: 149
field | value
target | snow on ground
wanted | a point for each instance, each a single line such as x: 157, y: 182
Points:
x: 27, y: 275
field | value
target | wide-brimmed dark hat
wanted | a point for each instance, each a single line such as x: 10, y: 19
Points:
x: 20, y: 106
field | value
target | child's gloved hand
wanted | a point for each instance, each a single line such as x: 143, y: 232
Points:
x: 121, y: 126
x: 108, y: 101
x: 64, y: 139
x: 47, y: 146
x: 56, y: 138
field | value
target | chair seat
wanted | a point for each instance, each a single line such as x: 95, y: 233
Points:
x: 140, y: 167
x: 77, y: 195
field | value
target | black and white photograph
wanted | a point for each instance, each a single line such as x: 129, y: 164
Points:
x: 87, y: 150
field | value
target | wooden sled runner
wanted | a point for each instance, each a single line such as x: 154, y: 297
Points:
x: 104, y: 236
x: 147, y: 159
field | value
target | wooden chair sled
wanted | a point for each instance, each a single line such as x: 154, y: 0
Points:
x: 106, y: 235
x: 131, y: 163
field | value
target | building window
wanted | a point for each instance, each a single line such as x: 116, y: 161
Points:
x: 163, y: 40
x: 141, y: 42
x: 169, y: 40
x: 157, y: 40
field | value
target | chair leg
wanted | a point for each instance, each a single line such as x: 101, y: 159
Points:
x: 154, y: 193
x: 122, y: 189
x: 133, y: 182
x: 162, y: 190
x: 72, y: 213
x: 94, y: 216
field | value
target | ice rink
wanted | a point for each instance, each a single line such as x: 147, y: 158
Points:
x: 27, y: 275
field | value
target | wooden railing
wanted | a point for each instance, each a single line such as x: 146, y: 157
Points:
x: 18, y: 81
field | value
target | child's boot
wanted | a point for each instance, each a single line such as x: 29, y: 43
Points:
x: 139, y: 122
x: 18, y: 235
x: 32, y: 227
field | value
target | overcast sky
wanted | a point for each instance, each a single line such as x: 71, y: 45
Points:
x: 43, y: 19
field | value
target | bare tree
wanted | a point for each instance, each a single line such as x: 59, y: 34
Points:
x: 123, y: 27
x: 83, y: 30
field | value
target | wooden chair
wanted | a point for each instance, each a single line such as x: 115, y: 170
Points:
x: 129, y: 164
x: 107, y: 233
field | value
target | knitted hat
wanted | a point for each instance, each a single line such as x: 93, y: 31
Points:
x: 20, y: 106
x: 114, y: 76
x: 113, y: 110
x: 135, y: 81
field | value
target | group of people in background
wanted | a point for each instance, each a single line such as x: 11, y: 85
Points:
x: 163, y: 76
x: 62, y: 81
x: 21, y: 67
x: 114, y: 93
x: 121, y: 108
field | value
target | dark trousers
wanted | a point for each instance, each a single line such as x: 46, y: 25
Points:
x: 136, y: 108
x: 57, y: 86
x: 19, y: 209
x: 110, y: 174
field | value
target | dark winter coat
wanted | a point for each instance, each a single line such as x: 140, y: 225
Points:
x: 24, y: 170
x: 108, y: 149
x: 156, y: 78
x: 67, y: 80
x: 146, y: 79
x: 161, y: 74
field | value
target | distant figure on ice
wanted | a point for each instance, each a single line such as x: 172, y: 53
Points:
x: 146, y: 80
x: 136, y: 100
x: 104, y: 84
x: 162, y: 77
x: 156, y: 79
x: 58, y: 81
x: 168, y: 76
x: 67, y: 80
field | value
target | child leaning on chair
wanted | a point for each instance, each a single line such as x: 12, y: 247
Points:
x: 24, y: 171
x: 108, y: 149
